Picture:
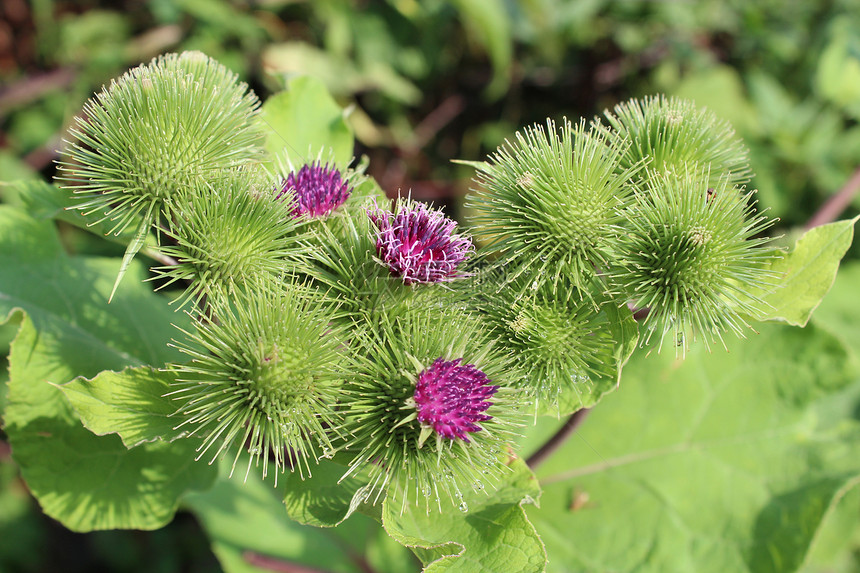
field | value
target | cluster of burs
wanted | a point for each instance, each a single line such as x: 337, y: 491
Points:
x: 332, y: 322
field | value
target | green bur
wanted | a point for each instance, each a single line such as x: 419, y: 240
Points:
x: 160, y: 128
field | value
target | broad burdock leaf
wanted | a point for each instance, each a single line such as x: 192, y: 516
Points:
x: 570, y: 350
x: 304, y: 119
x: 839, y: 312
x: 229, y: 233
x: 421, y: 417
x: 157, y: 129
x: 264, y: 376
x: 131, y: 403
x: 805, y: 274
x: 549, y: 200
x: 85, y: 481
x: 251, y: 533
x: 689, y: 253
x: 722, y: 462
x: 324, y: 499
x: 490, y: 532
x: 672, y: 136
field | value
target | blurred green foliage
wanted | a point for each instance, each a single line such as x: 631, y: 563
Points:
x: 442, y: 79
x: 431, y: 81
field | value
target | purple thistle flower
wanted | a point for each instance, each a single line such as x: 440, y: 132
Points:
x: 452, y: 398
x: 418, y: 244
x: 318, y: 189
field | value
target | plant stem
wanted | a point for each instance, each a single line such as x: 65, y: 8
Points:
x: 837, y: 203
x: 557, y: 439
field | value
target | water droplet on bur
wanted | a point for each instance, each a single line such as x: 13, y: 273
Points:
x: 428, y: 491
x: 464, y: 507
x: 478, y: 485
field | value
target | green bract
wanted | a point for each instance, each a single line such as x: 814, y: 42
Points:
x: 550, y: 199
x: 560, y: 343
x: 343, y: 265
x: 264, y: 375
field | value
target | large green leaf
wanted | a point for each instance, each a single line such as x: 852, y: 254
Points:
x: 806, y: 273
x: 490, y: 532
x: 304, y: 121
x: 722, y: 462
x: 320, y: 500
x: 68, y: 330
x: 86, y: 481
x: 132, y: 403
x: 839, y: 311
x: 251, y: 533
x: 837, y: 544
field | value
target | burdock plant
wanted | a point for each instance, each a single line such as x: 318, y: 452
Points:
x: 372, y: 345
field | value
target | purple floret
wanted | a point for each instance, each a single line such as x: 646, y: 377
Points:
x: 318, y: 190
x: 418, y: 244
x: 452, y: 398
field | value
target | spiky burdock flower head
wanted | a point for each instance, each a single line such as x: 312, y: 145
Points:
x: 318, y: 189
x: 264, y: 375
x: 451, y: 398
x: 418, y: 244
x: 549, y: 200
x: 674, y: 136
x: 429, y: 407
x: 228, y: 232
x: 569, y: 349
x: 155, y: 130
x: 343, y: 264
x: 690, y: 253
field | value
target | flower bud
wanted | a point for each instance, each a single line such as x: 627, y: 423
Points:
x: 549, y: 200
x: 673, y: 136
x: 264, y: 375
x: 562, y: 344
x: 159, y: 128
x: 227, y: 233
x: 690, y: 254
